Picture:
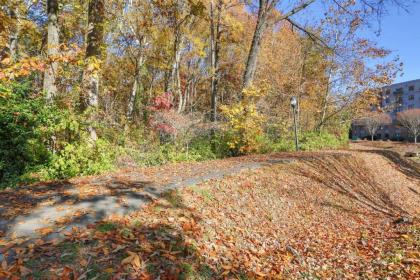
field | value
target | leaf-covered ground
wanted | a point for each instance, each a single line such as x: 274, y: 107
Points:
x: 325, y: 216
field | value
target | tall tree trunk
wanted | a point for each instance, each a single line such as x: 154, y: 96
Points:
x: 50, y: 74
x: 135, y: 87
x: 175, y: 79
x: 14, y: 34
x: 172, y: 78
x: 251, y: 63
x: 91, y: 74
x: 264, y: 9
x: 215, y: 35
x: 324, y: 104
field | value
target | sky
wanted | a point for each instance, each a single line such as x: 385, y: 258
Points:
x: 400, y: 33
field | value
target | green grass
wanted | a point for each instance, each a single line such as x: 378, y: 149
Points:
x: 69, y: 252
x: 205, y: 194
x: 106, y: 227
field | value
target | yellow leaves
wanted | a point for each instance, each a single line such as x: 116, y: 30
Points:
x: 405, y: 236
x: 93, y: 64
x: 244, y: 121
x: 109, y: 270
x: 6, y: 61
x: 133, y: 259
x: 252, y: 91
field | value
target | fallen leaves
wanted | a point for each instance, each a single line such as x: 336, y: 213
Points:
x: 274, y: 222
x: 133, y: 259
x: 45, y: 230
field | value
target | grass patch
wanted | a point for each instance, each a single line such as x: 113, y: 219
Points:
x: 204, y: 193
x: 97, y: 273
x: 105, y: 227
x: 35, y: 266
x: 205, y: 272
x: 69, y: 252
x: 187, y: 271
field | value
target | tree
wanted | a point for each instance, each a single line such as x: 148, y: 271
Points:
x: 265, y: 8
x: 215, y: 34
x: 410, y: 119
x: 373, y: 121
x: 50, y: 74
x: 91, y: 73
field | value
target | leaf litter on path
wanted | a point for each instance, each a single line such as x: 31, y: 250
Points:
x: 317, y: 217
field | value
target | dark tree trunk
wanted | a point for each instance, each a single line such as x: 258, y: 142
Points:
x: 96, y: 15
x: 215, y: 34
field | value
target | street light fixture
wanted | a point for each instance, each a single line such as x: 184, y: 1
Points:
x: 293, y: 103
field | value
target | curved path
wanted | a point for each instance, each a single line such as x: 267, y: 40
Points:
x: 49, y: 210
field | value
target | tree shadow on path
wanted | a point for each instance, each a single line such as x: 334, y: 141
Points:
x: 140, y: 248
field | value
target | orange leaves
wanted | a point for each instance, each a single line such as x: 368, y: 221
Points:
x: 45, y: 230
x: 242, y: 231
x: 189, y: 225
x: 247, y: 185
x: 133, y: 259
x: 23, y: 68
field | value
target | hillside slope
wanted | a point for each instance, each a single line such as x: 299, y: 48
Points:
x: 349, y: 214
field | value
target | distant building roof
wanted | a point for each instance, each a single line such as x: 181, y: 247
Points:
x: 403, y: 83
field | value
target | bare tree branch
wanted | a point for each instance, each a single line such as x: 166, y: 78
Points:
x: 311, y: 35
x: 295, y: 10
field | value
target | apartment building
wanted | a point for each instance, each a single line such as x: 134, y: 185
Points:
x: 394, y: 99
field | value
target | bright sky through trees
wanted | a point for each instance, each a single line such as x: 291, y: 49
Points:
x: 397, y: 34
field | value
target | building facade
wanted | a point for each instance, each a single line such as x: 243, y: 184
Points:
x: 393, y: 99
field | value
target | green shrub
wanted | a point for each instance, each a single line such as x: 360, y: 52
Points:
x: 42, y: 141
x: 311, y: 141
x: 198, y: 150
x: 25, y: 131
x: 268, y: 145
x: 81, y: 158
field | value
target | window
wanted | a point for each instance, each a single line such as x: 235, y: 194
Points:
x: 411, y: 97
x: 411, y: 88
x: 399, y: 90
x: 388, y: 91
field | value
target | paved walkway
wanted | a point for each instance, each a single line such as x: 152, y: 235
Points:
x: 62, y: 210
x: 49, y: 210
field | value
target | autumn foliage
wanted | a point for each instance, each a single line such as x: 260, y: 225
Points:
x: 164, y: 81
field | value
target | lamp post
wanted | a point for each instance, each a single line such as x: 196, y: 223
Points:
x: 293, y: 103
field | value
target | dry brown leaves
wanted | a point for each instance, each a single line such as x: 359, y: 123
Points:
x: 325, y: 217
